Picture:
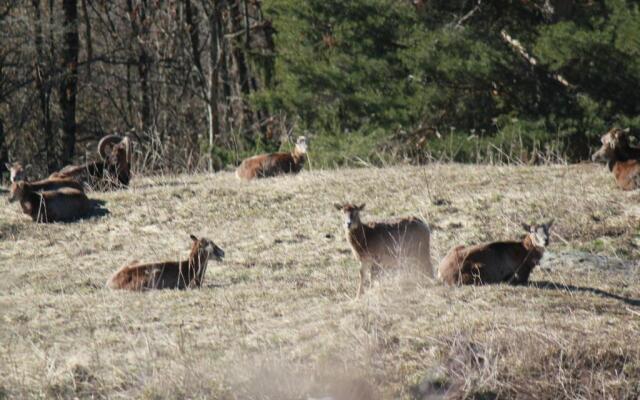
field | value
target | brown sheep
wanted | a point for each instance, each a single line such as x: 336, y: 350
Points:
x: 622, y: 159
x: 53, y: 184
x: 18, y: 174
x: 381, y: 245
x: 497, y: 262
x: 168, y: 274
x: 62, y: 205
x: 114, y: 170
x: 267, y: 165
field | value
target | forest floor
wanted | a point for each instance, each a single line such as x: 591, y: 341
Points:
x: 277, y: 319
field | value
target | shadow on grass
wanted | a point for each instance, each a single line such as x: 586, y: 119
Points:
x: 571, y: 288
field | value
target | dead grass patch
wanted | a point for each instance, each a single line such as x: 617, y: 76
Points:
x: 277, y: 318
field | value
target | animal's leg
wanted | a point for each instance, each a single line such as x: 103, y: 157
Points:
x: 363, y: 273
x: 522, y: 276
x: 376, y: 269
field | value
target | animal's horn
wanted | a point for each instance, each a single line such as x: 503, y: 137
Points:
x: 108, y: 140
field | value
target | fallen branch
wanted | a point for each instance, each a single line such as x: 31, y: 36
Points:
x: 519, y: 48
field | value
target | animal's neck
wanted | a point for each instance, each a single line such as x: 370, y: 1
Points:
x: 625, y: 153
x: 299, y: 157
x: 356, y: 236
x: 533, y: 251
x: 197, y: 264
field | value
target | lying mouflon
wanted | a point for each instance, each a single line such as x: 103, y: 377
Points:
x: 496, y: 262
x: 168, y: 274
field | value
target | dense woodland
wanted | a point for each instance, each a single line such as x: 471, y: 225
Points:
x: 203, y: 83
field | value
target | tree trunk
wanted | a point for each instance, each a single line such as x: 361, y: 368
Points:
x: 87, y: 38
x: 4, y: 151
x: 140, y: 30
x: 212, y: 100
x: 43, y: 88
x: 69, y: 80
x: 194, y: 40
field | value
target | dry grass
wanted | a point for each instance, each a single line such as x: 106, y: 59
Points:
x: 277, y: 319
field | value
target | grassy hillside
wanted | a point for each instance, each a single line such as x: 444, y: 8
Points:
x: 277, y: 319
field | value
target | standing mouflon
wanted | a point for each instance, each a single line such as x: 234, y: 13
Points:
x: 381, y: 245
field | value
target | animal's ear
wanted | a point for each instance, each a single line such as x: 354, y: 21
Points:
x: 549, y: 224
x: 361, y: 206
x: 626, y: 130
x: 526, y: 227
x: 7, y: 165
x: 195, y: 239
x: 28, y: 166
x: 338, y: 206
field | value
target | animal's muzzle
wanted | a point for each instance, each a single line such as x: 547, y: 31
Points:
x: 219, y: 253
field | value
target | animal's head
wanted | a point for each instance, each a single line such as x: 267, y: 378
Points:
x: 539, y: 234
x: 301, y: 145
x: 116, y: 151
x: 207, y: 248
x: 17, y: 191
x: 350, y: 213
x: 613, y: 142
x: 17, y: 172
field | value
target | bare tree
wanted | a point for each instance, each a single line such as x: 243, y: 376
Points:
x: 69, y: 79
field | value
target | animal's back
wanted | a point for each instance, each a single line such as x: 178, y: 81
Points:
x: 402, y: 243
x: 250, y: 167
x: 483, y: 263
x: 55, y: 184
x: 129, y: 277
x: 65, y: 204
x: 494, y: 262
x: 136, y: 276
x: 450, y: 266
x: 268, y: 165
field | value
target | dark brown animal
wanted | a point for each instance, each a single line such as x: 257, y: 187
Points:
x: 168, y: 274
x: 267, y: 165
x: 18, y: 174
x: 112, y: 171
x: 622, y: 159
x: 61, y: 205
x: 497, y: 262
x: 404, y: 243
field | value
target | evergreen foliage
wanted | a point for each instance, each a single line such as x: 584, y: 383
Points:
x: 440, y: 78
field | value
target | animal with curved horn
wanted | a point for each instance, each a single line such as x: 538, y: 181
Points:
x: 622, y: 159
x: 113, y: 170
